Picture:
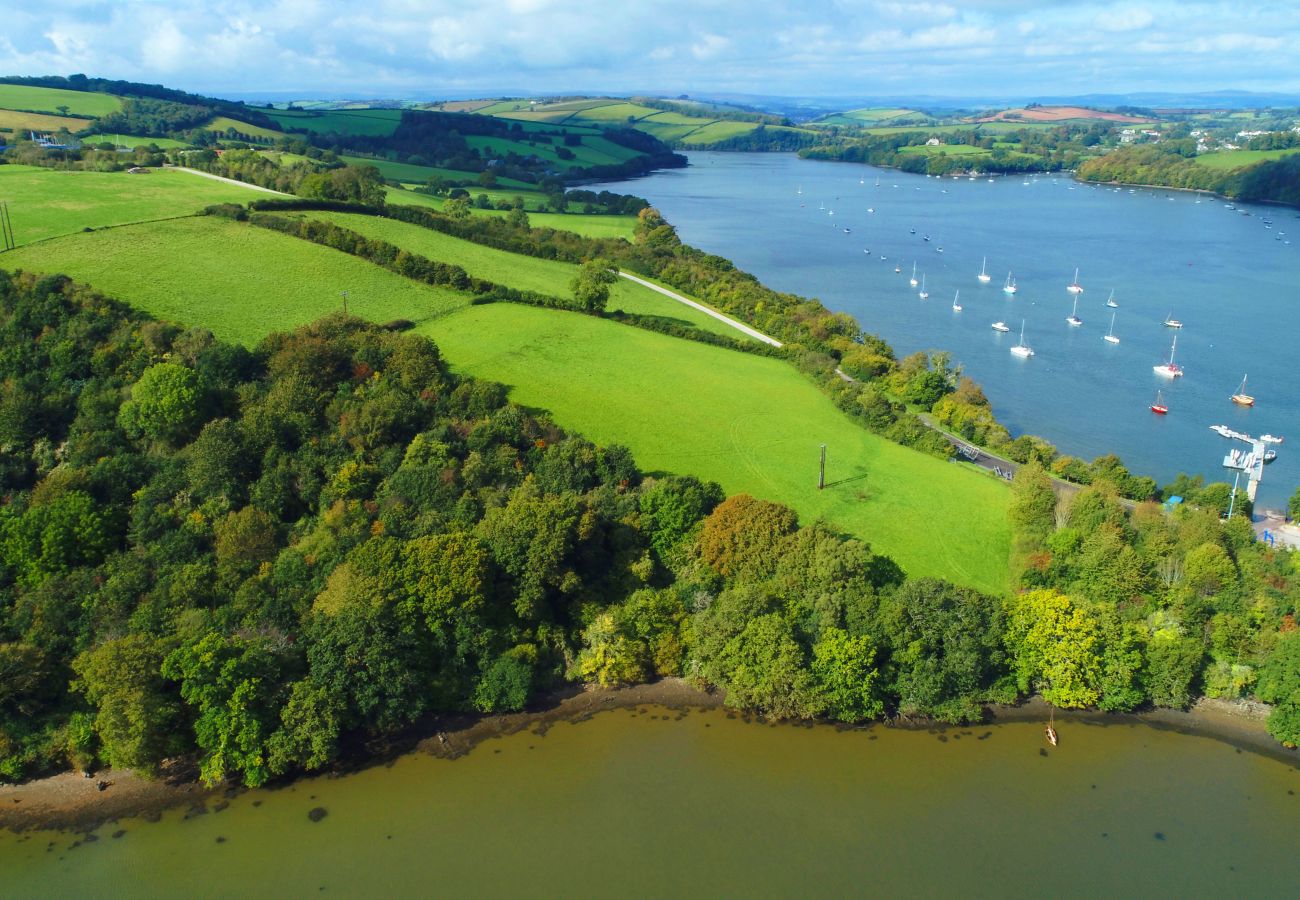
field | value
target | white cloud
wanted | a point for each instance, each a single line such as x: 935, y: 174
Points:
x: 431, y: 47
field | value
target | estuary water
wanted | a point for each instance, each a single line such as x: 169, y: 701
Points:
x: 1232, y: 278
x: 654, y: 803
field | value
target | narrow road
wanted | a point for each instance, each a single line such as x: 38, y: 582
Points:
x: 245, y: 184
x: 739, y: 326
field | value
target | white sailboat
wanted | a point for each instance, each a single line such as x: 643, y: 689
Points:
x: 1169, y: 370
x: 1171, y: 322
x: 924, y: 294
x: 956, y: 307
x: 984, y: 276
x: 1073, y: 317
x: 1001, y: 326
x: 1110, y: 301
x: 912, y: 282
x: 1074, y: 287
x: 1022, y: 349
x: 1109, y: 337
x: 1010, y: 286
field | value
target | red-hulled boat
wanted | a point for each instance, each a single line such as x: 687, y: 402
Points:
x: 1159, y: 407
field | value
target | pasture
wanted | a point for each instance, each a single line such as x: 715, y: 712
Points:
x: 19, y: 123
x: 591, y: 226
x: 131, y: 140
x: 752, y: 424
x: 239, y: 281
x: 44, y: 203
x: 48, y: 100
x: 413, y: 174
x: 523, y: 272
x: 372, y: 122
x: 1237, y: 159
x: 225, y: 124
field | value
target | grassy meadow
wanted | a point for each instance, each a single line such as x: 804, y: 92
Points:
x: 591, y: 226
x: 523, y: 272
x: 752, y: 424
x: 44, y: 203
x: 343, y: 121
x: 19, y: 123
x: 43, y: 99
x: 413, y: 174
x: 1236, y: 159
x: 131, y: 140
x: 239, y: 281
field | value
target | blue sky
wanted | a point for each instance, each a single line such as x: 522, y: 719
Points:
x: 441, y: 49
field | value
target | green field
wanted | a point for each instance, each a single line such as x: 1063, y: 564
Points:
x: 1236, y: 159
x: 239, y: 281
x: 591, y: 226
x: 43, y: 99
x: 413, y: 174
x: 593, y: 151
x: 45, y: 203
x: 21, y: 122
x: 752, y: 424
x: 523, y: 272
x: 223, y: 124
x: 131, y: 140
x: 947, y: 149
x: 345, y: 121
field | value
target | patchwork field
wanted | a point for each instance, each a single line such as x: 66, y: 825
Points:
x: 44, y: 203
x: 239, y: 281
x: 43, y: 99
x: 1060, y: 114
x: 522, y: 272
x: 223, y: 124
x: 750, y: 423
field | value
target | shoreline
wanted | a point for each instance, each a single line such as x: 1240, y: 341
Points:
x: 72, y: 802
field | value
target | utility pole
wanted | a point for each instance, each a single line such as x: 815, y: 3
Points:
x: 1232, y: 504
x: 821, y: 474
x: 344, y: 295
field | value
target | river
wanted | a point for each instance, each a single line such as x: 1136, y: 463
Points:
x: 659, y: 803
x: 1232, y: 281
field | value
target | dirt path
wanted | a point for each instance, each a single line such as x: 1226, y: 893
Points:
x: 251, y: 187
x: 757, y: 335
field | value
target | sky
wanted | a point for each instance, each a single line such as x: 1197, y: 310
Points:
x: 446, y: 49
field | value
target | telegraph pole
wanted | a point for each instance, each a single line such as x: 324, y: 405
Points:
x: 344, y: 295
x: 821, y: 474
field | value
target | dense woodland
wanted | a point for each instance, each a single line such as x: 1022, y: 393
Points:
x: 1174, y: 166
x: 274, y: 558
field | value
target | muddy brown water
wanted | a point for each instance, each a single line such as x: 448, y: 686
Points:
x: 653, y: 802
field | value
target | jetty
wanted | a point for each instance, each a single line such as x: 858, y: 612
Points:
x: 1251, y: 461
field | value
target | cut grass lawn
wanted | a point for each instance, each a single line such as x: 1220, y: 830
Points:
x: 591, y: 226
x: 43, y: 99
x: 45, y: 203
x: 750, y: 423
x: 240, y: 281
x: 523, y: 272
x: 1236, y: 159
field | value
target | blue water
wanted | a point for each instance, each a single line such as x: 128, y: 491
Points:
x: 1228, y: 278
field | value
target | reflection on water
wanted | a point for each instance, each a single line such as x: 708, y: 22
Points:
x: 657, y: 803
